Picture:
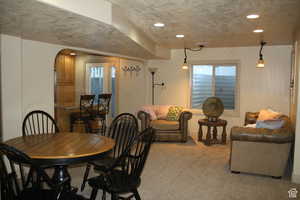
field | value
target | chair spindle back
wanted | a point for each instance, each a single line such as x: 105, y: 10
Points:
x: 123, y: 130
x: 38, y: 122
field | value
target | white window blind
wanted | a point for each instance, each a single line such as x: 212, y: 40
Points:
x: 214, y: 80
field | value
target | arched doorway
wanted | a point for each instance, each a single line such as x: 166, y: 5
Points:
x: 78, y: 73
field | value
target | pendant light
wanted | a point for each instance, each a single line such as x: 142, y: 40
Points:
x: 261, y: 62
x: 185, y: 66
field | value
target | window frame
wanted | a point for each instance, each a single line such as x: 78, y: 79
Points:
x: 230, y: 113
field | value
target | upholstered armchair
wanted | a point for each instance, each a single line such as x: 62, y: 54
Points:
x: 167, y: 131
x: 260, y: 150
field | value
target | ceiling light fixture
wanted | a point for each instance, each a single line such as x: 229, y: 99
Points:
x: 253, y: 16
x: 261, y: 62
x: 258, y: 30
x: 159, y: 24
x: 185, y: 66
x: 73, y: 54
x: 180, y: 36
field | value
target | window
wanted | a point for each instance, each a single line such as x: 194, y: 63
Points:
x: 101, y: 78
x: 96, y: 80
x: 218, y: 80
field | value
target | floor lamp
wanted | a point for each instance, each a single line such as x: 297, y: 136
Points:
x: 152, y: 70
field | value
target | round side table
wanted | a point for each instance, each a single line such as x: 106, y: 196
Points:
x: 212, y: 125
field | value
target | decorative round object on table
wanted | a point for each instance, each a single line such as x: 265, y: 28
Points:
x: 213, y: 108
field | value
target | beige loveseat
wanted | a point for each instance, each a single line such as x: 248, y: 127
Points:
x: 259, y: 150
x: 166, y: 131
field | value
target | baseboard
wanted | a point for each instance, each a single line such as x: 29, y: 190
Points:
x: 296, y: 178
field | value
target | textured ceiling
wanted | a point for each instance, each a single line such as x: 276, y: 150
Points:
x: 37, y: 21
x: 221, y: 23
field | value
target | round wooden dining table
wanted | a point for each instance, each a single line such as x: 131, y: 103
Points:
x: 62, y: 149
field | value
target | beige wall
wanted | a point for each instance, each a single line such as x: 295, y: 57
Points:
x: 296, y: 170
x: 132, y: 90
x: 27, y: 80
x: 96, y: 9
x: 259, y: 88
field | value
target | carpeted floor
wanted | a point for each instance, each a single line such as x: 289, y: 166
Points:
x: 193, y: 171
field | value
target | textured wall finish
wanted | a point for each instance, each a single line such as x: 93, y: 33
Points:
x: 221, y: 23
x: 38, y: 21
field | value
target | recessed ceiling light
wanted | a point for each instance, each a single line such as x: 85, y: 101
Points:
x: 180, y: 36
x: 73, y: 54
x: 253, y: 16
x: 158, y: 24
x: 258, y: 31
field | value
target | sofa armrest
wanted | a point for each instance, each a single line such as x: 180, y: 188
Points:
x: 145, y: 119
x: 183, y: 123
x: 283, y: 135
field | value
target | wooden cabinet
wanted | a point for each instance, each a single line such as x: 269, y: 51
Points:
x: 65, y: 80
x: 65, y: 67
x: 65, y: 95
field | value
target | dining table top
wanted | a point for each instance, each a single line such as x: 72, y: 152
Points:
x: 63, y: 145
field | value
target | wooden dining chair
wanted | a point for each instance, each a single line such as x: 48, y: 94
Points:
x: 16, y: 185
x: 85, y: 112
x: 38, y: 122
x: 123, y: 130
x: 123, y: 177
x: 98, y: 122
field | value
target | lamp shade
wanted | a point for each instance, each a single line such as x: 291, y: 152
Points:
x: 185, y: 66
x: 260, y: 63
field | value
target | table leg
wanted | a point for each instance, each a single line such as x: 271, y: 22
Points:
x: 215, y: 133
x: 224, y: 135
x: 200, y: 133
x: 60, y: 175
x: 208, y: 136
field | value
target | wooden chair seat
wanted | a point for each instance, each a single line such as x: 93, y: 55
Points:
x: 103, y: 164
x: 119, y: 182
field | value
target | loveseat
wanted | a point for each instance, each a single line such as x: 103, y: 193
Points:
x: 261, y: 150
x: 166, y: 131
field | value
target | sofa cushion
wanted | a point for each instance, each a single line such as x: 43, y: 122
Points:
x: 150, y: 110
x: 161, y: 111
x: 270, y: 124
x: 268, y: 114
x: 165, y: 125
x: 174, y: 113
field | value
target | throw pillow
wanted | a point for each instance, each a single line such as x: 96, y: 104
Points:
x: 173, y: 113
x: 267, y: 114
x: 161, y: 111
x: 149, y: 110
x: 270, y: 124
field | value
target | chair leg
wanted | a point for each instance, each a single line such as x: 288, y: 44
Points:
x: 114, y: 196
x: 86, y: 175
x: 71, y: 125
x: 94, y: 194
x: 136, y: 194
x: 104, y: 195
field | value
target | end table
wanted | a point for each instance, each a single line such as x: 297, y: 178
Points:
x: 212, y: 124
